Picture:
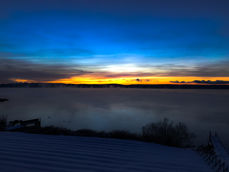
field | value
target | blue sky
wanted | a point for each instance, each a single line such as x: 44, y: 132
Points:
x: 92, y: 35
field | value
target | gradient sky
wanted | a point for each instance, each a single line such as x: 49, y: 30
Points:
x: 114, y: 41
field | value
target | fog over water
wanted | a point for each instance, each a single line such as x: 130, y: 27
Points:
x: 120, y: 108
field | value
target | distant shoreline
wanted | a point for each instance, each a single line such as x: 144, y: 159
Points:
x: 144, y: 86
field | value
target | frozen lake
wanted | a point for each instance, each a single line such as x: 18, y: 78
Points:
x: 120, y: 108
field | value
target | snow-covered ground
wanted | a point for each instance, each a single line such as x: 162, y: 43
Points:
x: 220, y: 151
x: 33, y: 152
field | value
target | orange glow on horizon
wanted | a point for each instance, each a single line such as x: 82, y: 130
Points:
x: 134, y: 80
x: 23, y: 80
x: 123, y: 80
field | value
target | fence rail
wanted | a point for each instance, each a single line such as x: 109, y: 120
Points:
x: 215, y: 154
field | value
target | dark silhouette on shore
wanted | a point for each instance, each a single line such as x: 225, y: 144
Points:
x: 148, y: 86
x: 3, y: 99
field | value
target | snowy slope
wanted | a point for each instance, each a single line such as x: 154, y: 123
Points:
x: 30, y: 152
x: 220, y: 150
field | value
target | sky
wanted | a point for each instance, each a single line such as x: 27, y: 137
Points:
x: 114, y: 41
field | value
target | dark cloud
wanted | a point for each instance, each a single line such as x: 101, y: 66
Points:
x: 9, y: 54
x: 178, y: 82
x: 20, y: 69
x: 57, y: 52
x: 141, y: 80
x: 217, y: 69
x: 5, y: 45
x: 201, y: 82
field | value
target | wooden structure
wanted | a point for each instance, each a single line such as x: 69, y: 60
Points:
x: 18, y: 124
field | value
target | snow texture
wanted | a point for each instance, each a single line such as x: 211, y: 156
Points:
x: 220, y: 150
x: 33, y: 152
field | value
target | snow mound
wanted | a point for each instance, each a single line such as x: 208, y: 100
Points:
x: 33, y: 152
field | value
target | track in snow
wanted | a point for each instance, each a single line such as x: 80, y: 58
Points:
x: 33, y: 152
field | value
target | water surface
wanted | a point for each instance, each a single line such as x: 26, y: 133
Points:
x: 120, y: 108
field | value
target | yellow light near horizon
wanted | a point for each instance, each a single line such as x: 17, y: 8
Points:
x: 133, y: 80
x: 23, y: 80
x: 123, y: 80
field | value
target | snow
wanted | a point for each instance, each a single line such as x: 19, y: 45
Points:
x: 33, y: 152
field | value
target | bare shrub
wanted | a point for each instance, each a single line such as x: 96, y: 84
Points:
x: 167, y: 133
x: 3, y: 122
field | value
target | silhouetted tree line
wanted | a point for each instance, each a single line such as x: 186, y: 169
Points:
x: 155, y: 86
x: 164, y: 132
